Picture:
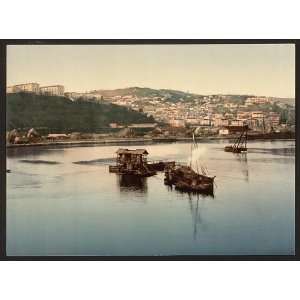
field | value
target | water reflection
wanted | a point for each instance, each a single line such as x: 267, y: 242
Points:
x: 274, y: 151
x: 98, y: 161
x: 39, y: 161
x: 242, y: 158
x: 34, y: 151
x: 196, y: 204
x: 129, y: 183
x: 99, y: 213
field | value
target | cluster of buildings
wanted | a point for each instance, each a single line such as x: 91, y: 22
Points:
x: 84, y: 96
x: 210, y: 111
x: 213, y: 111
x: 33, y: 87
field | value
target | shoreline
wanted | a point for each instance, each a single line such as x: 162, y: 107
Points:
x: 139, y: 140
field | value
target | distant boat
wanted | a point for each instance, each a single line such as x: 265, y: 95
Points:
x: 7, y: 170
x: 240, y: 144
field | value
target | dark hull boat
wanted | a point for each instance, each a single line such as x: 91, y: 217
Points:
x: 235, y: 149
x: 185, y: 179
x: 240, y: 144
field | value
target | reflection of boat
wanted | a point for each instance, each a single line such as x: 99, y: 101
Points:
x: 242, y: 158
x: 132, y: 182
x: 240, y: 144
x: 196, y: 211
x: 200, y: 187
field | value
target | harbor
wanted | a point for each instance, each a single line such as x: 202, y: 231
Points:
x: 101, y: 213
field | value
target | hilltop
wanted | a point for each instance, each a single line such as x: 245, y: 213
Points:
x: 63, y: 115
x: 173, y: 96
x: 144, y: 92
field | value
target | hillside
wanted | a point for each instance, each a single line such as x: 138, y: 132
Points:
x: 62, y: 115
x: 165, y: 94
x: 174, y: 96
x: 288, y: 101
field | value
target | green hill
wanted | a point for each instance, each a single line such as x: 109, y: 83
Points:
x: 63, y: 115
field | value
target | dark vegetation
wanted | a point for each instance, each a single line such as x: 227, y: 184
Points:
x: 60, y: 114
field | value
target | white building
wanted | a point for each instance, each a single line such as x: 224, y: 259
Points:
x: 219, y: 122
x: 237, y: 122
x: 223, y: 131
x: 53, y: 90
x: 31, y: 87
x: 257, y: 100
x: 177, y: 123
x: 257, y: 115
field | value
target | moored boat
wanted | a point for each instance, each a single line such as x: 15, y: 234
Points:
x: 240, y: 144
x: 184, y: 178
x: 134, y: 162
x: 235, y: 149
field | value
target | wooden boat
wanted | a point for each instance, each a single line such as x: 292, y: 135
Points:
x: 240, y: 144
x: 134, y: 162
x: 185, y: 179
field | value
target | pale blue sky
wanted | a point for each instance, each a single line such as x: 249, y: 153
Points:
x: 205, y: 69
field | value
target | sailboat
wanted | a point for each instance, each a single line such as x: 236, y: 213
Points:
x: 185, y: 179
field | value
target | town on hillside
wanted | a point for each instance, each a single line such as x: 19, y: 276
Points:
x: 180, y: 112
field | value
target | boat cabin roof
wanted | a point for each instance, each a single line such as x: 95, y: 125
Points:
x: 136, y: 151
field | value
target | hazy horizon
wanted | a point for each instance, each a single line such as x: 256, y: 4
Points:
x: 262, y: 70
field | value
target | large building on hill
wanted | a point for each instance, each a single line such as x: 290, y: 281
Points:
x: 53, y: 90
x: 31, y: 87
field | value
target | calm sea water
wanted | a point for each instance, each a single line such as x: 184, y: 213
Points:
x: 63, y: 201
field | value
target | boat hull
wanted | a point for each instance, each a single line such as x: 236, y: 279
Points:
x: 235, y: 149
x: 186, y: 180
